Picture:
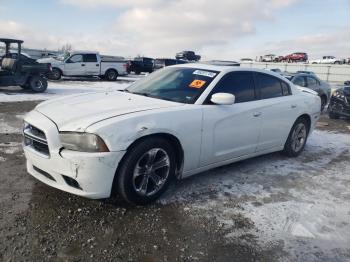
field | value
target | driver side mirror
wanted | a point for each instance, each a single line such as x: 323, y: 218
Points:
x: 223, y: 99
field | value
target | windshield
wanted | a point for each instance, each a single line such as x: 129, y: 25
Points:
x: 176, y: 84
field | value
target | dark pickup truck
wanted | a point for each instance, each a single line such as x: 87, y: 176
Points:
x: 188, y: 55
x: 20, y: 70
x: 140, y: 64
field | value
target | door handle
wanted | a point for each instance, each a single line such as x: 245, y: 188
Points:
x: 97, y: 65
x: 82, y: 64
x: 256, y: 114
x: 293, y: 106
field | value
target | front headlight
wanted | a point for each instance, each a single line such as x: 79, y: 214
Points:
x: 83, y: 142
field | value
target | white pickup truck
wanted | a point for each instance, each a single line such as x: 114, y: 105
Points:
x: 327, y: 60
x: 86, y: 64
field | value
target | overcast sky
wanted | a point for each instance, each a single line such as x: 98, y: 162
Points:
x: 221, y: 29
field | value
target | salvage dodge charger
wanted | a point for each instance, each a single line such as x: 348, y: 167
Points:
x: 174, y: 123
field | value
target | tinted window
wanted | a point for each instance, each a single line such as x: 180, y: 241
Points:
x: 240, y: 84
x: 270, y: 86
x: 75, y: 59
x: 90, y: 58
x: 311, y: 82
x: 300, y: 81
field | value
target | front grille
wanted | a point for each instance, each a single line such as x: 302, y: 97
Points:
x: 36, y: 139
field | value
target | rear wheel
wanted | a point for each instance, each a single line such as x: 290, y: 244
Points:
x: 111, y: 75
x: 56, y: 74
x: 146, y: 171
x: 38, y: 84
x: 297, y: 138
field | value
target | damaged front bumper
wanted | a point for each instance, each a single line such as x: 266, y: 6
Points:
x: 340, y: 106
x: 89, y: 175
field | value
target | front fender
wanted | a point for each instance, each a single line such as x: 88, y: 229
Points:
x: 185, y: 123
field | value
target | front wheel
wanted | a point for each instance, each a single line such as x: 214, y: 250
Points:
x: 297, y: 138
x: 146, y: 171
x: 38, y: 84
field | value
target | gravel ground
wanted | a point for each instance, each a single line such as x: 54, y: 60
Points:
x: 269, y: 208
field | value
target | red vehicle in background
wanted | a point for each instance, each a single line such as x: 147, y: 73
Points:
x: 296, y: 57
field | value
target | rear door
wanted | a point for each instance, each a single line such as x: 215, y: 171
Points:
x: 92, y: 65
x: 279, y: 110
x: 231, y: 131
x: 74, y: 66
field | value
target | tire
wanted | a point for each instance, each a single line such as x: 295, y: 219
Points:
x: 293, y: 148
x: 56, y: 74
x: 130, y: 179
x: 323, y: 103
x: 137, y: 72
x: 38, y: 84
x: 111, y: 75
x: 333, y: 115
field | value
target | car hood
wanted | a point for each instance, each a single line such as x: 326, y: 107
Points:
x: 50, y: 60
x: 77, y: 112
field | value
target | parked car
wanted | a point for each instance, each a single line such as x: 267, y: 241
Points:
x: 188, y: 55
x: 296, y: 57
x: 268, y: 58
x: 174, y: 123
x: 86, y: 64
x: 276, y: 70
x: 164, y: 62
x: 311, y: 81
x: 20, y: 70
x: 222, y: 63
x: 327, y: 60
x: 340, y: 102
x: 247, y: 60
x: 140, y: 65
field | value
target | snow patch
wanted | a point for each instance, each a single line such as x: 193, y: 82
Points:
x: 62, y: 88
x: 276, y: 199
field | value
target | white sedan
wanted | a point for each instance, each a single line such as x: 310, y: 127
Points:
x: 174, y: 123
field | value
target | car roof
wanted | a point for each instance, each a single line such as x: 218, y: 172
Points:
x: 226, y: 69
x: 8, y: 40
x: 83, y: 52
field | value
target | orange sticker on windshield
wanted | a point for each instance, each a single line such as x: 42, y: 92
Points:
x: 197, y: 83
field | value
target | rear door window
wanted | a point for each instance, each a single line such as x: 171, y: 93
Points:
x: 90, y: 58
x: 311, y: 82
x: 299, y: 81
x: 270, y: 86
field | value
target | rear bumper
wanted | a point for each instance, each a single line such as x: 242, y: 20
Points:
x: 88, y: 175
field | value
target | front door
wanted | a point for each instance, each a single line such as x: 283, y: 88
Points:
x: 231, y: 131
x: 74, y: 66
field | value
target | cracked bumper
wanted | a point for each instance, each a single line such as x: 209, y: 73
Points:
x: 93, y: 173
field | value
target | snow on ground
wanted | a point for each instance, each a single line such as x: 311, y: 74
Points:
x: 65, y: 87
x: 300, y: 202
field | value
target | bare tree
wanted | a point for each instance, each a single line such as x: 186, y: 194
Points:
x: 65, y: 48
